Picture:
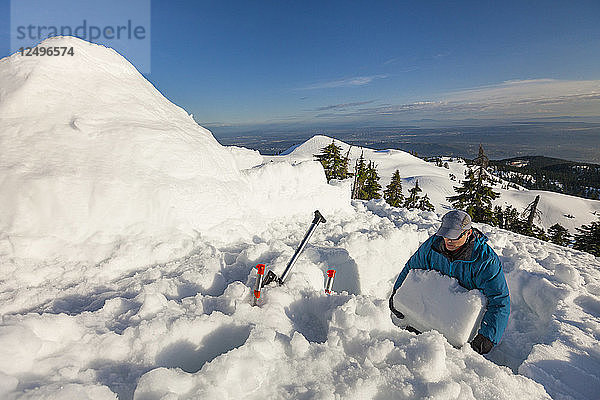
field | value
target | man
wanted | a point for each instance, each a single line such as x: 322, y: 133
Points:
x: 460, y: 251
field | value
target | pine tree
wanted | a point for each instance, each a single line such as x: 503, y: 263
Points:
x: 588, y: 238
x: 424, y: 204
x: 531, y: 213
x: 372, y: 186
x: 560, y: 235
x: 465, y: 193
x: 475, y: 197
x: 360, y: 176
x: 340, y: 166
x: 508, y: 218
x: 393, y: 192
x: 499, y: 217
x: 412, y: 201
x: 334, y: 164
x: 512, y: 220
x: 538, y: 232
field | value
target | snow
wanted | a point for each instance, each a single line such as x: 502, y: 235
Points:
x: 453, y: 311
x: 128, y: 243
x: 95, y: 159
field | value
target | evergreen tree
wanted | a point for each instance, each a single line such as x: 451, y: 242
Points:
x: 588, y: 238
x: 560, y: 235
x: 475, y: 196
x: 465, y: 193
x: 334, y: 164
x: 360, y: 176
x: 424, y: 204
x: 513, y: 221
x: 412, y: 201
x: 393, y: 192
x: 531, y: 213
x: 538, y: 232
x: 498, y: 217
x: 526, y: 225
x: 372, y: 186
x: 508, y: 218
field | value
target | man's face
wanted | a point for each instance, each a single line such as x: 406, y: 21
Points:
x: 452, y: 245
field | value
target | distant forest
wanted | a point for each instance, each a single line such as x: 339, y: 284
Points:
x: 552, y: 174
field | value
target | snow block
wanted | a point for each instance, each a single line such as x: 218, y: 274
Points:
x: 430, y: 300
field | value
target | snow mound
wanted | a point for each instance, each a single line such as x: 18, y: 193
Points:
x: 453, y: 311
x: 95, y: 159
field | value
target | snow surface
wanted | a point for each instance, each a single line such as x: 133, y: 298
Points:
x: 126, y: 265
x: 453, y: 310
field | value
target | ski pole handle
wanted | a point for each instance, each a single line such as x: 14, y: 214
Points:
x: 329, y: 284
x: 318, y: 218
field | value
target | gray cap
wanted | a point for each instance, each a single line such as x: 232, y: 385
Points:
x: 454, y: 223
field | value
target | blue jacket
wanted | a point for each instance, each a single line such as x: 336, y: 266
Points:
x: 478, y: 267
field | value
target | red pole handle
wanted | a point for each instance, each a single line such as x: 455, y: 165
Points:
x: 329, y: 284
x: 259, y: 281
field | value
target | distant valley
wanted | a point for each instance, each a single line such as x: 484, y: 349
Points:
x: 574, y: 141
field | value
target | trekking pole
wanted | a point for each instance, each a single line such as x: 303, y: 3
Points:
x: 316, y: 221
x: 271, y: 276
x: 329, y: 284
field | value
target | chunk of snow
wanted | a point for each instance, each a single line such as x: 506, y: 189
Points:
x: 430, y: 300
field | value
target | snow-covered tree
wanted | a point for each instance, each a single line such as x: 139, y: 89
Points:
x: 360, y: 176
x: 412, y: 201
x: 425, y: 204
x: 560, y: 235
x: 588, y: 238
x: 372, y: 186
x: 393, y: 192
x: 512, y: 220
x: 475, y: 197
x: 498, y: 217
x: 531, y: 213
x: 334, y: 164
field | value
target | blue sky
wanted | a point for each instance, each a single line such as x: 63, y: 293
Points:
x: 379, y: 62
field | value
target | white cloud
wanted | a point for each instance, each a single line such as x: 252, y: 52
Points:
x: 349, y: 82
x: 343, y: 106
x: 518, y: 98
x: 520, y: 90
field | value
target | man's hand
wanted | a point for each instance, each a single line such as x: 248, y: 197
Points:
x: 392, y: 309
x: 481, y: 344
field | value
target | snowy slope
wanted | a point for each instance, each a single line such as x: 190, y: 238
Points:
x: 95, y: 159
x: 94, y: 317
x: 185, y: 328
x: 436, y: 183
